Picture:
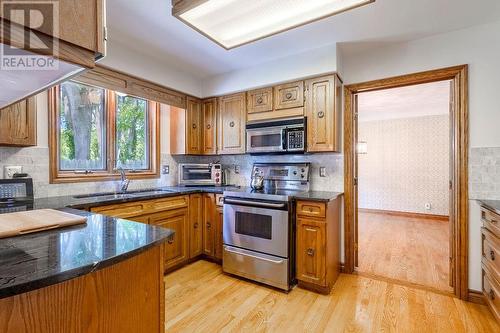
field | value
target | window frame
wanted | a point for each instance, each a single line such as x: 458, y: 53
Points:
x: 57, y: 176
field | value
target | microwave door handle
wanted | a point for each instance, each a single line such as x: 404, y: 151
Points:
x: 284, y: 139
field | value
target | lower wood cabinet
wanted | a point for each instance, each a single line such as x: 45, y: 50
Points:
x: 490, y: 259
x: 208, y: 224
x: 318, y: 244
x: 176, y: 248
x: 18, y: 124
x: 219, y: 217
x: 195, y: 225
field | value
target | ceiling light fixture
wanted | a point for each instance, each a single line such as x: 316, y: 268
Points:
x: 232, y: 23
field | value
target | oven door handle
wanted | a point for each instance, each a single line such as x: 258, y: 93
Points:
x: 254, y: 203
x: 253, y: 256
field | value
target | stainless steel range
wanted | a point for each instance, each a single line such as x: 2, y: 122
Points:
x: 259, y: 226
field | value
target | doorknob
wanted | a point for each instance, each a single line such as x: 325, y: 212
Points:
x: 310, y: 252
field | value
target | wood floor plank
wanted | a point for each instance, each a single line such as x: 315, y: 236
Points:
x: 216, y: 302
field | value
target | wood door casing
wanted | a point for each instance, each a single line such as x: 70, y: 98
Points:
x: 176, y: 248
x: 195, y: 225
x: 289, y: 95
x: 311, y: 256
x: 322, y: 114
x: 194, y: 126
x: 18, y: 124
x: 231, y: 125
x: 209, y: 121
x: 209, y: 221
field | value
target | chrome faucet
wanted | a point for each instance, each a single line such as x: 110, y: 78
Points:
x: 124, y: 180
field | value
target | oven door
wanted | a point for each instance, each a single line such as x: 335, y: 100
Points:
x: 266, y: 140
x: 257, y: 226
x: 195, y: 174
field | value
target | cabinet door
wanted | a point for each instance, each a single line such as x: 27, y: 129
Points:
x: 219, y: 218
x: 232, y: 121
x: 176, y: 248
x: 311, y: 256
x: 209, y: 121
x: 289, y: 95
x: 195, y: 225
x: 260, y: 100
x: 18, y: 124
x: 208, y: 224
x: 322, y: 111
x: 193, y: 126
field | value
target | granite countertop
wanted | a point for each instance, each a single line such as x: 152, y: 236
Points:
x: 493, y: 205
x: 322, y: 196
x: 41, y: 259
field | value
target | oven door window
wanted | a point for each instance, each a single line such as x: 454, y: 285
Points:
x: 254, y: 225
x: 196, y: 173
x: 265, y: 140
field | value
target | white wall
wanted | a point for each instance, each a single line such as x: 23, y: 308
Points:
x: 479, y: 47
x: 310, y: 63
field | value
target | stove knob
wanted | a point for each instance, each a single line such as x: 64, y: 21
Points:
x: 302, y: 170
x: 217, y: 174
x: 302, y: 176
x: 295, y: 173
x: 217, y: 180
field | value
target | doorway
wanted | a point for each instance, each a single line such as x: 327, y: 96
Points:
x: 458, y: 154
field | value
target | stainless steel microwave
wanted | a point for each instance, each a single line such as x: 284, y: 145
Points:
x: 288, y: 135
x: 200, y: 174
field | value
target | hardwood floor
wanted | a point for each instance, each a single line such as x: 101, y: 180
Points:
x: 407, y: 249
x: 200, y: 298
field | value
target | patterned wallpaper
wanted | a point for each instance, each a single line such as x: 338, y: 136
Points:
x: 407, y: 165
x: 484, y: 173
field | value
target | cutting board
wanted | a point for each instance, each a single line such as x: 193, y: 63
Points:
x: 20, y: 223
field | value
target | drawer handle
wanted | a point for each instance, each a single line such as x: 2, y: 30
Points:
x: 310, y: 210
x: 493, y: 221
x: 310, y: 252
x: 260, y: 100
x: 288, y: 95
x: 231, y: 124
x: 195, y: 225
x: 492, y: 255
x: 209, y: 126
x: 321, y: 114
x: 194, y: 126
x: 492, y: 295
x: 170, y: 240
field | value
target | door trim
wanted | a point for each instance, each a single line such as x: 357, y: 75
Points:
x: 459, y: 150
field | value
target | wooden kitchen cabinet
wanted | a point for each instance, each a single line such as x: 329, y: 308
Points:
x: 195, y: 225
x: 231, y: 124
x: 289, y: 95
x: 218, y: 241
x: 209, y: 224
x: 318, y: 244
x: 176, y: 248
x: 490, y: 233
x: 209, y: 131
x: 322, y: 108
x: 18, y: 124
x: 260, y: 100
x: 194, y: 127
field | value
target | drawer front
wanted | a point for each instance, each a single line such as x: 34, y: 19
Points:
x: 312, y: 209
x: 491, y: 292
x: 260, y: 100
x: 289, y: 95
x: 122, y: 210
x: 168, y: 203
x: 491, y: 221
x: 491, y: 252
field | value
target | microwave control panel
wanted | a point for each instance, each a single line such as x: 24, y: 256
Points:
x: 295, y: 139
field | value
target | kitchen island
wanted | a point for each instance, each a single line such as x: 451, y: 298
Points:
x: 103, y: 276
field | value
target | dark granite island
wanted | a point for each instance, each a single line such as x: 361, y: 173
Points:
x: 103, y: 276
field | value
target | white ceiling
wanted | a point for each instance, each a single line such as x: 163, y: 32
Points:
x: 407, y: 102
x: 148, y: 27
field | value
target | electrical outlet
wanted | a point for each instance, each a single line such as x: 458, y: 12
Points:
x: 236, y: 169
x: 322, y: 172
x: 428, y: 206
x: 165, y: 170
x: 9, y: 171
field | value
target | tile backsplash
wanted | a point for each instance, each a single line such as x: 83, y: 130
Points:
x: 35, y: 162
x: 484, y: 173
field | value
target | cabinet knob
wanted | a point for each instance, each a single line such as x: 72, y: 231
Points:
x: 170, y: 240
x: 310, y: 252
x: 288, y: 95
x: 209, y: 126
x: 208, y: 225
x: 260, y: 100
x: 195, y: 225
x: 231, y: 124
x: 492, y: 255
x: 194, y: 126
x: 492, y: 294
x: 321, y: 114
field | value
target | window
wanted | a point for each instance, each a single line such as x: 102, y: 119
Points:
x: 94, y: 131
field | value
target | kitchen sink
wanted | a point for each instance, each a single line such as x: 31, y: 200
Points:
x: 123, y: 195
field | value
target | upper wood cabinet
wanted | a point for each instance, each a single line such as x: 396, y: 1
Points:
x: 194, y: 126
x: 18, y: 124
x: 323, y: 114
x: 260, y: 100
x: 289, y: 95
x: 209, y: 121
x: 232, y: 122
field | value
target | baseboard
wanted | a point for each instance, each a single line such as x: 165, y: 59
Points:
x: 476, y: 297
x: 405, y: 214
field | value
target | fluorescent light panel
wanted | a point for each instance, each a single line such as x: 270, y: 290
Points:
x: 232, y: 23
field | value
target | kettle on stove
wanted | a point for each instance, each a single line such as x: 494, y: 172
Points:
x: 257, y: 182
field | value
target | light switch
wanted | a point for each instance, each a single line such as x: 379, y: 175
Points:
x: 165, y: 170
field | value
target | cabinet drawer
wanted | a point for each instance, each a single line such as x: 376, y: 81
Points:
x: 168, y: 203
x: 491, y: 292
x: 260, y: 100
x: 289, y: 95
x: 121, y: 210
x: 491, y: 221
x: 491, y: 252
x: 313, y: 209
